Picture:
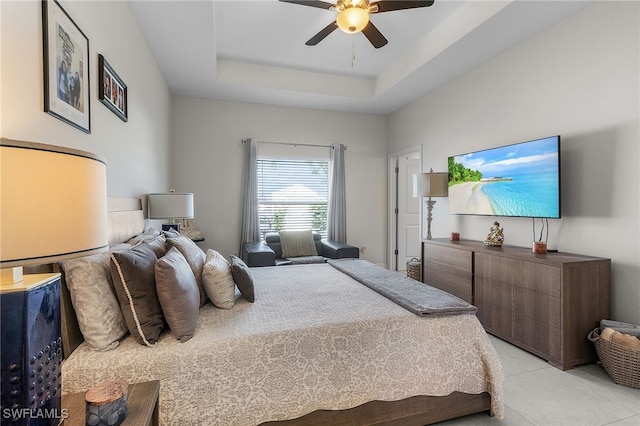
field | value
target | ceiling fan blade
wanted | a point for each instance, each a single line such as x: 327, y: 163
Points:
x: 313, y: 3
x: 374, y: 35
x: 390, y: 5
x: 322, y: 34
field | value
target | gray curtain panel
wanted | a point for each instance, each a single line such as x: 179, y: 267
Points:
x: 250, y: 221
x: 337, y: 209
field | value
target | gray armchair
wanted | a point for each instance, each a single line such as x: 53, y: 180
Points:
x: 269, y: 251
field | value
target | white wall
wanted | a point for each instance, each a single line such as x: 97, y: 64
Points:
x: 578, y: 79
x: 207, y: 156
x: 136, y: 152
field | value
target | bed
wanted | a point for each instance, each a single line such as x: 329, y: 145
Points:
x: 317, y: 347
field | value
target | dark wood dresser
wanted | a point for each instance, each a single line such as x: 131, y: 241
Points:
x: 544, y: 303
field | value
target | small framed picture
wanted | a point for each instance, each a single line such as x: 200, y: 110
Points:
x: 66, y: 67
x: 111, y: 89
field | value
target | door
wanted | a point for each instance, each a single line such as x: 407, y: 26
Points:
x: 408, y: 213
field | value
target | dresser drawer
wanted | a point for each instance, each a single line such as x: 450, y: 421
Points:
x: 533, y: 276
x: 455, y: 281
x: 450, y: 257
x: 538, y: 306
x: 542, y: 338
x: 496, y: 293
x: 495, y: 319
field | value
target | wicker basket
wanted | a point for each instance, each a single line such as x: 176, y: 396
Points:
x: 620, y: 362
x: 414, y: 269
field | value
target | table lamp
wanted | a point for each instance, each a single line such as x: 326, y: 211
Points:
x: 170, y: 205
x: 430, y: 185
x: 53, y: 206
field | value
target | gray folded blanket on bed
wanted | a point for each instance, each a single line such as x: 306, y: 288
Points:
x: 414, y: 296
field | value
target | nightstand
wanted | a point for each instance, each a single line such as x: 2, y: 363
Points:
x: 31, y: 348
x: 142, y: 405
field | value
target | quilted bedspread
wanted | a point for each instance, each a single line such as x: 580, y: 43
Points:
x: 314, y: 339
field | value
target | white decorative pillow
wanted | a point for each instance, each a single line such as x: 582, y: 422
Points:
x: 93, y: 297
x: 297, y: 243
x: 217, y: 280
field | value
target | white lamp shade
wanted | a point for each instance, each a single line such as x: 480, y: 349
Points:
x: 170, y: 205
x: 431, y: 184
x: 53, y: 203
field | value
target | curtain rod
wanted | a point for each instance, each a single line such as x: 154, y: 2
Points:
x: 295, y: 144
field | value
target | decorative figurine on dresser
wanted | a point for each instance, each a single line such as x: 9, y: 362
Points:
x: 495, y: 238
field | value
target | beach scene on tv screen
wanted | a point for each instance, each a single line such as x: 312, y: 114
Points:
x: 514, y: 180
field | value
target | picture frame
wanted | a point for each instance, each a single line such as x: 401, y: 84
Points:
x: 66, y: 67
x: 112, y: 91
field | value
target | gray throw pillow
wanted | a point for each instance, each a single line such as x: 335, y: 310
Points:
x: 133, y: 273
x: 154, y: 238
x: 178, y: 294
x: 94, y: 300
x: 158, y: 245
x: 243, y: 278
x: 195, y: 258
x: 297, y: 243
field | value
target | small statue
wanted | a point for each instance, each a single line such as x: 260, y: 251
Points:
x: 495, y: 237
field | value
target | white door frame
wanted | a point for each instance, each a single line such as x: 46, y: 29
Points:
x: 392, y: 201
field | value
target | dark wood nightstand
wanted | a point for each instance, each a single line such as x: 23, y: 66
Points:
x: 142, y: 406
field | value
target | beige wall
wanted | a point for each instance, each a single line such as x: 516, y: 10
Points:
x: 137, y: 152
x: 578, y: 79
x: 207, y: 157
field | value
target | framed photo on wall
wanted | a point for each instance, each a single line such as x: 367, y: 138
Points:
x: 111, y: 89
x: 66, y: 67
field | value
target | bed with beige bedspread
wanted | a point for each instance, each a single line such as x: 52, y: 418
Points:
x: 315, y: 339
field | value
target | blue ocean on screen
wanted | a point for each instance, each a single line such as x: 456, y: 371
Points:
x: 532, y: 194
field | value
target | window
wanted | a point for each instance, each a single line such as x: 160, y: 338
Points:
x: 293, y: 195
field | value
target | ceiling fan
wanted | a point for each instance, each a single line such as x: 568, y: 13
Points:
x: 353, y: 16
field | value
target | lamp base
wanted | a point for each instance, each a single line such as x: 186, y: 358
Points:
x: 430, y: 204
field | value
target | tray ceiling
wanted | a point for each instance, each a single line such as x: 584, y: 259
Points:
x: 254, y: 50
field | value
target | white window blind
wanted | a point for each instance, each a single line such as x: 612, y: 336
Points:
x: 293, y: 195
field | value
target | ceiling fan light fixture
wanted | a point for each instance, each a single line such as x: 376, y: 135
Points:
x: 352, y: 20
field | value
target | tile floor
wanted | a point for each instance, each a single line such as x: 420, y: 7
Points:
x: 536, y: 393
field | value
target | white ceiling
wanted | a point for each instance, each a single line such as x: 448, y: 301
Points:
x: 254, y: 50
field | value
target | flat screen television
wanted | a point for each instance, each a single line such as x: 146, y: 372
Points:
x: 520, y: 180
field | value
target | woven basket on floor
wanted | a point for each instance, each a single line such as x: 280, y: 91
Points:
x: 620, y: 362
x: 414, y: 269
